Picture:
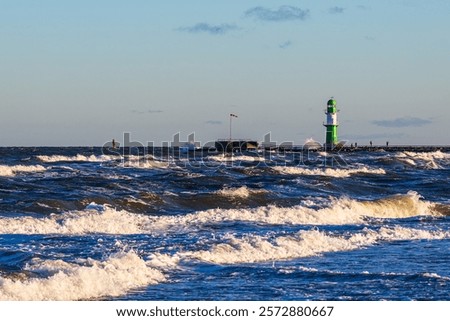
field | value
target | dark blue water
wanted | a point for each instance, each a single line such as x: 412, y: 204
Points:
x: 82, y: 224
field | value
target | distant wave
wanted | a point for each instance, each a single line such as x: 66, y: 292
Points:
x: 6, y: 170
x: 430, y: 160
x: 146, y: 164
x: 133, y: 161
x: 105, y: 220
x: 236, y: 158
x: 331, y: 172
x: 239, y: 192
x: 436, y: 276
x: 77, y: 158
x: 86, y: 279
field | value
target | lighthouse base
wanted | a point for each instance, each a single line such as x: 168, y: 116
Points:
x: 333, y: 146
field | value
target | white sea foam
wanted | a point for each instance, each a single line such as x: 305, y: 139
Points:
x: 331, y: 172
x: 436, y: 276
x: 253, y: 248
x: 338, y: 212
x: 94, y: 219
x: 240, y: 192
x: 259, y: 249
x: 88, y: 279
x: 164, y: 262
x: 235, y: 158
x: 77, y: 158
x: 105, y: 220
x: 67, y: 168
x: 6, y: 170
x: 430, y: 160
x: 136, y: 161
x: 146, y: 164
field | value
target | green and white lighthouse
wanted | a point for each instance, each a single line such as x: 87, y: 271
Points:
x: 331, y: 124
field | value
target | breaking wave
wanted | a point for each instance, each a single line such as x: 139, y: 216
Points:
x: 94, y: 219
x: 332, y: 172
x: 236, y: 158
x: 240, y: 192
x: 77, y: 158
x: 431, y: 160
x: 146, y: 164
x: 338, y: 212
x: 436, y: 276
x: 120, y: 273
x: 6, y: 170
x: 253, y: 248
x: 105, y: 220
x: 87, y: 279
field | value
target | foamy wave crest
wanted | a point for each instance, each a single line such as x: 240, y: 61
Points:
x: 332, y: 172
x: 431, y: 160
x: 397, y: 206
x: 436, y: 276
x: 6, y: 170
x: 86, y: 280
x: 240, y: 192
x: 105, y: 220
x: 146, y: 164
x: 339, y: 212
x: 94, y: 219
x: 77, y: 158
x: 253, y: 248
x: 235, y: 158
x: 259, y: 249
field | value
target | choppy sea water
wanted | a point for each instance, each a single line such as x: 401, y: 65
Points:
x: 76, y: 224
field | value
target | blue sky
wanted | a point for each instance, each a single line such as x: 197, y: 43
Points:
x: 82, y: 72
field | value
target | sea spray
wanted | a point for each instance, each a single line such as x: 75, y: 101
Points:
x: 87, y: 280
x: 6, y: 170
x: 106, y: 220
x: 429, y: 160
x: 77, y: 158
x: 330, y: 172
x: 240, y: 192
x: 253, y: 248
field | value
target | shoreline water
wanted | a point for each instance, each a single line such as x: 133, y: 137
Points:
x: 97, y: 224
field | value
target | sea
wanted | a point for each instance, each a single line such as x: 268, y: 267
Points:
x: 94, y: 224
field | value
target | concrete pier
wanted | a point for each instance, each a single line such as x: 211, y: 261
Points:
x: 398, y: 148
x: 374, y: 148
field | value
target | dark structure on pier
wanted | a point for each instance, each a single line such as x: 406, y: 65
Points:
x: 235, y: 145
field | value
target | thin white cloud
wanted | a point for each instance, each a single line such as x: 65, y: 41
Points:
x: 402, y: 122
x: 203, y: 27
x: 285, y: 44
x: 283, y: 13
x: 336, y: 10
